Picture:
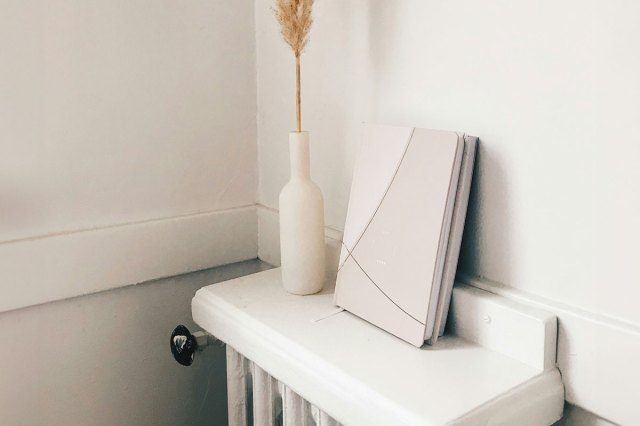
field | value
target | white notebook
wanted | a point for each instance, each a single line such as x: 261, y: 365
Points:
x: 403, y: 229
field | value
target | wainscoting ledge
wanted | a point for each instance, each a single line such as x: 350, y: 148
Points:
x: 597, y: 355
x: 49, y: 268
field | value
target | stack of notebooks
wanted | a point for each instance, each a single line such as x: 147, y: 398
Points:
x: 404, y: 227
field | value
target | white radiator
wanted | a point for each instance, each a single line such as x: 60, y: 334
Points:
x: 256, y: 398
x: 496, y: 367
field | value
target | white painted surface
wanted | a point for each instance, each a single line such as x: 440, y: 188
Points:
x: 335, y: 361
x: 269, y: 235
x: 326, y: 420
x: 113, y: 113
x: 104, y: 359
x: 294, y: 408
x: 51, y: 268
x: 550, y: 88
x: 520, y: 331
x: 128, y: 143
x: 237, y: 392
x: 264, y: 395
x: 597, y: 356
x: 587, y: 345
x: 262, y: 399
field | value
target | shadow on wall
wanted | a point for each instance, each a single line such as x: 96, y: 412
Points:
x: 400, y: 61
x: 337, y: 97
x: 577, y: 416
x: 104, y: 359
x: 488, y: 212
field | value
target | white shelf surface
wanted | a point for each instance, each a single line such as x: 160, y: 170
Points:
x: 361, y: 375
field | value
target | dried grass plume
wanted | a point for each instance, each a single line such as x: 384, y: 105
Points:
x: 295, y: 21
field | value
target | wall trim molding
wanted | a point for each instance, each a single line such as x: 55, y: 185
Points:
x: 64, y: 265
x: 597, y: 355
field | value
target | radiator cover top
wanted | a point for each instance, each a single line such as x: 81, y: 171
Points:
x: 360, y: 375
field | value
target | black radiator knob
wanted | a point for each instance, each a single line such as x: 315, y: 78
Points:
x: 183, y: 345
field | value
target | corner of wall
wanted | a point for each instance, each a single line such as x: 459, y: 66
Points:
x: 269, y: 240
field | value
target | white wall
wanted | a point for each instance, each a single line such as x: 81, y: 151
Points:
x: 127, y: 152
x: 551, y: 89
x: 128, y: 140
x: 122, y: 111
x: 115, y: 113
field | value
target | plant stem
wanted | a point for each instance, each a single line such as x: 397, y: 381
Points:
x: 298, y: 113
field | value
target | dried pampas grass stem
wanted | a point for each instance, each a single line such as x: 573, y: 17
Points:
x: 295, y: 21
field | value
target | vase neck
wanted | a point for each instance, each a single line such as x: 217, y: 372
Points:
x: 299, y: 155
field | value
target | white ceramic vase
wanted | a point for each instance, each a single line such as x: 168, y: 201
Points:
x: 301, y: 224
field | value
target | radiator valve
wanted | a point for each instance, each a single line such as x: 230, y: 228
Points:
x: 184, y: 344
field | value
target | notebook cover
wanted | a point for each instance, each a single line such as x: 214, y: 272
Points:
x: 393, y: 235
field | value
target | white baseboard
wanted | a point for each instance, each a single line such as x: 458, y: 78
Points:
x: 269, y: 240
x: 40, y: 270
x: 598, y: 356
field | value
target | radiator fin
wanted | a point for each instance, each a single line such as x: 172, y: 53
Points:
x: 257, y: 399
